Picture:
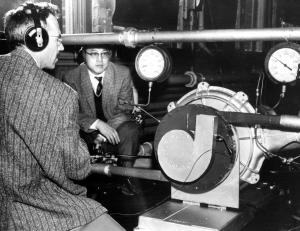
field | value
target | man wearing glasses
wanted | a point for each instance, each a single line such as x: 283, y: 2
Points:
x: 105, y: 97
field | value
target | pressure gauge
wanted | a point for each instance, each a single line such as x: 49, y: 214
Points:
x: 153, y: 63
x: 282, y: 62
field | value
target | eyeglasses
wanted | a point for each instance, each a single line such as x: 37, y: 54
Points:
x: 103, y: 55
x: 58, y: 39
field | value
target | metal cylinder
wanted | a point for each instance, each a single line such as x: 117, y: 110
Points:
x: 289, y: 121
x: 131, y: 37
x: 105, y: 169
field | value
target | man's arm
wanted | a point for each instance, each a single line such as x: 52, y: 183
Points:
x: 85, y: 119
x: 125, y: 96
x: 76, y: 155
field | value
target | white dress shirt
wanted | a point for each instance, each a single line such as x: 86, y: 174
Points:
x: 94, y: 81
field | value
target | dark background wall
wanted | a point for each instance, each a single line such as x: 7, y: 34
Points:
x: 146, y: 14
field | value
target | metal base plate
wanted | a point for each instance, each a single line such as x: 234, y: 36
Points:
x: 177, y: 216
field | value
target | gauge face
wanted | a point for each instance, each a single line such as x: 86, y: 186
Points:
x: 282, y: 63
x: 151, y: 64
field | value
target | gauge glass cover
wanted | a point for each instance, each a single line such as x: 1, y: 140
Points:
x: 151, y: 63
x: 283, y: 64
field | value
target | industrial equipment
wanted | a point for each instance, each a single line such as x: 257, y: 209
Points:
x: 212, y: 142
x: 208, y: 160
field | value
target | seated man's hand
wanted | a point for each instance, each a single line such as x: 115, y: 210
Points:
x: 98, y: 140
x: 108, y: 132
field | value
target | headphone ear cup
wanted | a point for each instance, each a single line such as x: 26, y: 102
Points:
x: 32, y: 41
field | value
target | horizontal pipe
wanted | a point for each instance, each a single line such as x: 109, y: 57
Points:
x: 290, y: 121
x: 221, y: 35
x: 274, y: 121
x: 133, y: 37
x: 109, y: 170
x: 90, y: 38
x: 178, y: 79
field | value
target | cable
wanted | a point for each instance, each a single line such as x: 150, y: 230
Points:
x: 277, y: 104
x: 262, y: 87
x: 259, y: 90
x: 147, y: 113
x: 220, y: 138
x: 195, y: 164
x: 185, y: 180
x: 269, y: 154
x: 150, y: 84
x: 286, y: 145
x: 282, y: 95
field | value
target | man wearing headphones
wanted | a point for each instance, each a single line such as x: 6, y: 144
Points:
x: 41, y: 154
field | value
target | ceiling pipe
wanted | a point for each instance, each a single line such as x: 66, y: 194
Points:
x: 131, y: 37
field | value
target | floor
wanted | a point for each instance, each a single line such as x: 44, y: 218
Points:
x: 271, y: 212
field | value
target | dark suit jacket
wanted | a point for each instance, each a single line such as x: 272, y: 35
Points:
x: 117, y: 91
x: 41, y: 154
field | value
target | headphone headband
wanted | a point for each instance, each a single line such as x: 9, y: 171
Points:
x: 33, y: 11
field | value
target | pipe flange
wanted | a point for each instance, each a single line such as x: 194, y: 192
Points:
x: 127, y: 37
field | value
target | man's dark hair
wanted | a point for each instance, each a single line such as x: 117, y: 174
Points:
x: 17, y: 21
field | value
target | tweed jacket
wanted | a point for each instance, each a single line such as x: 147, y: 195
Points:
x: 41, y: 154
x: 116, y: 94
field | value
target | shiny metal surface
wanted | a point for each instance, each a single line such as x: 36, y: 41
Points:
x: 187, y: 217
x: 132, y: 37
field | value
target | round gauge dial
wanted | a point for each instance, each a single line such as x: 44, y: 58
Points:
x: 282, y: 62
x: 152, y: 63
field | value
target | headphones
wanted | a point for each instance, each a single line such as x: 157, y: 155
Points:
x: 36, y: 38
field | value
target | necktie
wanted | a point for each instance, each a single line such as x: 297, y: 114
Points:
x: 99, y: 86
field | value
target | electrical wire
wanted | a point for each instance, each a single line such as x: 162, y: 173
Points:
x: 278, y: 102
x: 198, y: 158
x: 222, y: 139
x: 258, y: 101
x: 259, y: 90
x: 147, y: 113
x: 288, y: 144
x: 269, y: 154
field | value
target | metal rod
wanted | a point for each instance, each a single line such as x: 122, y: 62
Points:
x: 131, y: 37
x: 106, y: 169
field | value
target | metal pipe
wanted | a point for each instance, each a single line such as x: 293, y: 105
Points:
x: 273, y: 121
x: 131, y: 37
x: 109, y: 170
x: 90, y: 38
x: 221, y: 35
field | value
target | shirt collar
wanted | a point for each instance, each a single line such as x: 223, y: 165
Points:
x: 93, y: 75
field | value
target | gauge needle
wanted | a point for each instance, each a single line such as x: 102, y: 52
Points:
x: 283, y: 64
